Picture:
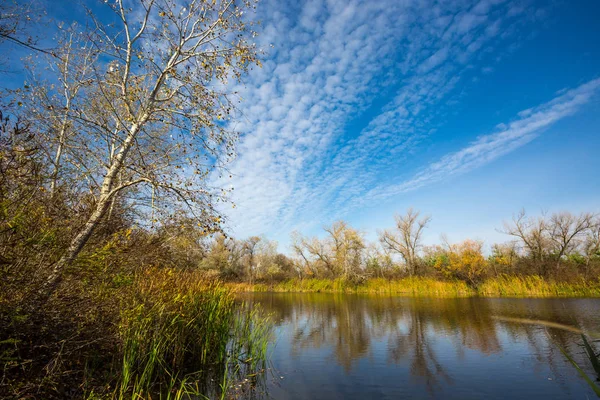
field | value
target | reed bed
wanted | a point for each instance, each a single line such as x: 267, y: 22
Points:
x: 536, y: 286
x: 184, y: 332
x: 502, y: 286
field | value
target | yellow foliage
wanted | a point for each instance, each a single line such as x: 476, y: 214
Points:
x: 463, y: 261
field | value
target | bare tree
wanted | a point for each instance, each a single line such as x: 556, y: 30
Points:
x: 16, y: 16
x: 565, y: 229
x: 406, y: 240
x: 299, y: 249
x: 321, y: 254
x: 154, y: 118
x: 591, y: 244
x: 533, y: 233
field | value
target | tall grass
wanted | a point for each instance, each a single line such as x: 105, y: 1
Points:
x: 183, y: 329
x: 411, y: 286
x: 537, y: 286
x: 515, y: 286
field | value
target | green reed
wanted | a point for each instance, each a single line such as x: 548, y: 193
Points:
x: 193, y: 329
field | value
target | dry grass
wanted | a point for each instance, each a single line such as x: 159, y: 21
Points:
x: 147, y: 335
x: 503, y: 286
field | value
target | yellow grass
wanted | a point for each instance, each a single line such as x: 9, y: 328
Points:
x: 503, y: 286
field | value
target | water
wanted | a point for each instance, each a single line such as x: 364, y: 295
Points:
x: 332, y: 346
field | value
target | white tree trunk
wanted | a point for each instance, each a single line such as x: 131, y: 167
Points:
x: 107, y: 193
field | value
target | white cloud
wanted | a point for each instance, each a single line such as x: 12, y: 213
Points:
x: 305, y: 156
x: 487, y: 148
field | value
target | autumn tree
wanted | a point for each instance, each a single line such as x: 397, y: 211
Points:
x: 504, y: 256
x: 550, y: 238
x: 406, y: 238
x: 224, y: 257
x: 339, y: 253
x: 378, y: 261
x: 298, y: 246
x: 186, y: 245
x: 321, y: 255
x: 269, y: 263
x: 283, y: 267
x: 464, y: 261
x: 346, y: 245
x: 250, y: 247
x: 591, y: 243
x: 152, y: 119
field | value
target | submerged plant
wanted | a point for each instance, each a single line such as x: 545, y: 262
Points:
x: 594, y: 360
x: 592, y: 355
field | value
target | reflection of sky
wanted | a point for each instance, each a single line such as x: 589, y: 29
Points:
x: 457, y: 351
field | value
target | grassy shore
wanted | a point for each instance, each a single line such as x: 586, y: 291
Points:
x: 159, y: 333
x: 503, y: 286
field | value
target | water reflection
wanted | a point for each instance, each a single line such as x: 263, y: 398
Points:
x: 428, y: 347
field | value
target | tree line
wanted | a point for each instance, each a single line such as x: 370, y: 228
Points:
x: 560, y: 246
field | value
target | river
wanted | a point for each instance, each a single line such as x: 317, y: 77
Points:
x: 339, y: 346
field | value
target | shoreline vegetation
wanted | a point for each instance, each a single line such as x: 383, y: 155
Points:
x: 154, y: 333
x: 502, y: 286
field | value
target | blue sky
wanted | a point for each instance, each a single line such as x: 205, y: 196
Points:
x: 465, y: 110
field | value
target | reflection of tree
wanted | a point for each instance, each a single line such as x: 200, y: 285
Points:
x: 416, y: 345
x: 413, y: 327
x: 341, y: 324
x: 477, y: 331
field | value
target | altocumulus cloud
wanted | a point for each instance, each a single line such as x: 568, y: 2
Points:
x: 350, y: 87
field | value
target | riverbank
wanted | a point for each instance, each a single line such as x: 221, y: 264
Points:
x: 157, y: 333
x: 503, y: 286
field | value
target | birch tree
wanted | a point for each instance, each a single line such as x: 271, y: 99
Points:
x: 153, y: 121
x: 51, y: 98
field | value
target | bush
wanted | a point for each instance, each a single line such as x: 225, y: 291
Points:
x: 463, y: 261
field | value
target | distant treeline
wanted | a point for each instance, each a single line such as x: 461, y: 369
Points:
x: 560, y: 246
